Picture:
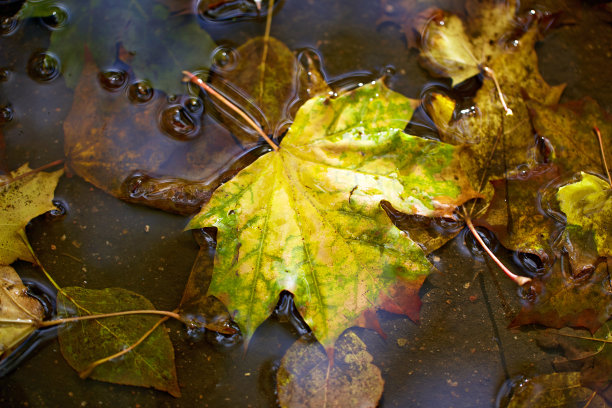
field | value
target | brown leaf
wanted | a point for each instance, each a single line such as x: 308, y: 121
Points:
x: 307, y: 378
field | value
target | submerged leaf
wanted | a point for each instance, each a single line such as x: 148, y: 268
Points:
x: 307, y: 218
x: 588, y: 206
x: 561, y: 300
x: 21, y: 201
x: 156, y: 44
x: 306, y: 377
x: 19, y: 312
x: 555, y: 390
x: 151, y: 364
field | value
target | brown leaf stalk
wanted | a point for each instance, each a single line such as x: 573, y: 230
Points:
x: 491, y: 74
x: 519, y: 280
x: 603, y: 154
x: 56, y: 322
x: 31, y: 172
x: 191, y: 77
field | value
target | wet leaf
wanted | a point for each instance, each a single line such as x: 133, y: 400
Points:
x: 108, y: 138
x: 16, y: 305
x: 588, y: 206
x: 516, y: 217
x: 307, y: 218
x: 562, y: 300
x: 20, y: 202
x: 151, y: 364
x: 275, y: 85
x: 156, y: 43
x: 555, y: 390
x: 591, y: 354
x: 306, y: 377
x: 568, y: 128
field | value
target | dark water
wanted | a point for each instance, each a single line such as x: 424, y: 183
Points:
x: 458, y: 356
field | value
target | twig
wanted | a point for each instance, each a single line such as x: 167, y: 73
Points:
x: 29, y: 173
x: 85, y: 373
x: 191, y: 77
x: 264, y: 54
x: 519, y: 280
x: 603, y: 154
x: 56, y: 322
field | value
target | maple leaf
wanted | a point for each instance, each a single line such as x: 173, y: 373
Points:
x: 306, y: 377
x: 21, y: 201
x: 155, y: 43
x: 19, y: 312
x: 588, y: 206
x: 84, y: 342
x: 307, y: 218
x: 559, y: 301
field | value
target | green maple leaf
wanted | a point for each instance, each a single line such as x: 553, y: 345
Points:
x: 20, y: 202
x: 307, y: 218
x: 156, y: 43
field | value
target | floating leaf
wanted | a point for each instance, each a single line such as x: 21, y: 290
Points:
x: 306, y: 377
x: 516, y: 217
x: 21, y: 201
x: 307, y: 218
x: 108, y: 138
x: 588, y: 205
x: 19, y: 312
x: 555, y: 390
x: 274, y: 82
x: 82, y: 343
x: 156, y: 44
x: 560, y: 300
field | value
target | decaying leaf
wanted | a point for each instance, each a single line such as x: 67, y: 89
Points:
x: 307, y: 218
x: 306, y: 377
x: 516, y: 217
x: 555, y: 390
x: 108, y: 139
x: 151, y: 364
x: 20, y: 202
x: 588, y: 206
x: 19, y: 312
x: 275, y: 84
x: 156, y: 44
x: 560, y: 300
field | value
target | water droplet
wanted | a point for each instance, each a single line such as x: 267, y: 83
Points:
x: 194, y: 105
x: 8, y: 25
x: 389, y: 71
x: 60, y: 210
x: 140, y: 92
x: 178, y: 123
x: 57, y: 19
x: 6, y: 114
x: 172, y: 98
x: 5, y: 74
x: 522, y: 171
x: 112, y: 79
x: 43, y: 66
x: 224, y: 58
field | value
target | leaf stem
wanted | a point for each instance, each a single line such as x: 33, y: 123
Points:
x: 191, y: 77
x: 29, y: 173
x: 491, y: 74
x: 56, y: 322
x: 85, y: 373
x: 603, y: 154
x: 519, y: 280
x: 264, y: 54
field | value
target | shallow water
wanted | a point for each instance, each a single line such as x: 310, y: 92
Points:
x: 458, y: 356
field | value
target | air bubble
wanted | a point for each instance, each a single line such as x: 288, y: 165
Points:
x: 5, y: 74
x: 140, y: 92
x: 6, y: 114
x: 8, y: 25
x: 57, y: 19
x: 177, y: 123
x: 529, y: 263
x: 224, y: 57
x: 194, y: 105
x: 112, y: 79
x: 43, y: 67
